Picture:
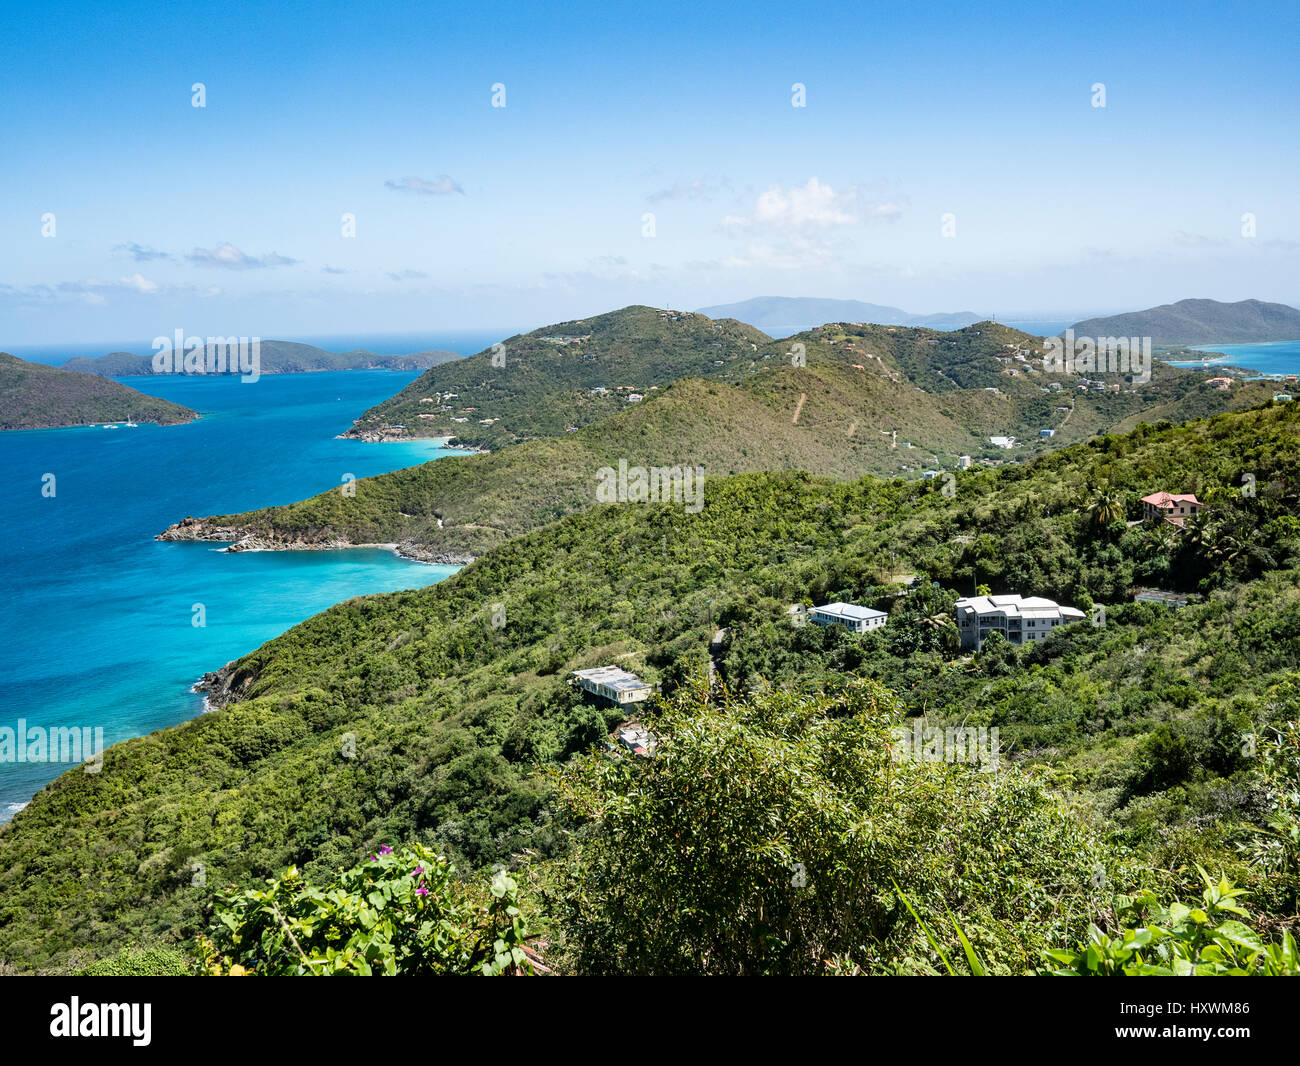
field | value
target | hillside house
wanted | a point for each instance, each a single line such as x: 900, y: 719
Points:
x: 613, y: 683
x: 1222, y: 384
x: 1168, y: 507
x: 1021, y: 619
x: 851, y: 616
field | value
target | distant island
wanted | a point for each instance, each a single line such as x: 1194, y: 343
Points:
x: 1190, y: 322
x: 277, y: 357
x: 781, y: 316
x: 36, y: 396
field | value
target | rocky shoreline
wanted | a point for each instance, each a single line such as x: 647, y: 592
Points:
x: 391, y: 436
x: 220, y: 687
x: 242, y: 539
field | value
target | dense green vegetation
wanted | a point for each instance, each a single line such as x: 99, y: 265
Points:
x: 775, y: 835
x: 869, y: 400
x: 539, y: 384
x: 400, y: 912
x: 36, y: 396
x: 413, y: 717
x: 276, y: 357
x: 1200, y: 322
x: 1178, y: 940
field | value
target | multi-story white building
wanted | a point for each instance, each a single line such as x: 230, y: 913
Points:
x: 1020, y: 619
x: 613, y: 683
x: 849, y: 615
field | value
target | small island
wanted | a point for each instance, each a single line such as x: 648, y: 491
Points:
x: 36, y: 396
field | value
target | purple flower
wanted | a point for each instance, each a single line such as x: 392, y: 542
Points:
x: 421, y: 891
x: 385, y: 850
x: 417, y: 871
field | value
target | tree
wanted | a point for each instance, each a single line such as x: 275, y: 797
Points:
x: 767, y: 837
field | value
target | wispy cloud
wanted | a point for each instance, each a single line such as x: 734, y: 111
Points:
x: 141, y: 253
x: 1184, y: 239
x: 92, y: 291
x: 442, y: 185
x: 228, y: 257
x: 407, y: 275
x: 701, y: 189
x: 335, y: 270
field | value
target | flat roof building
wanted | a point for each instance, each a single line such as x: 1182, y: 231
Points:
x: 1021, y: 619
x: 613, y: 683
x: 849, y: 615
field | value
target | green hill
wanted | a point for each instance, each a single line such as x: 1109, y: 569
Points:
x: 277, y: 357
x: 425, y: 715
x: 563, y: 375
x: 1200, y: 322
x: 36, y: 396
x: 869, y: 400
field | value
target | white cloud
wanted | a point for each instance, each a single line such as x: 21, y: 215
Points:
x: 813, y: 206
x: 139, y: 283
x: 442, y: 185
x: 228, y: 257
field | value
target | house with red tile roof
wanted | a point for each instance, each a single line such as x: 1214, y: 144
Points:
x: 1170, y: 507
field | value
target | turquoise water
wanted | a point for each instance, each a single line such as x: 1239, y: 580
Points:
x: 96, y: 629
x: 1276, y: 357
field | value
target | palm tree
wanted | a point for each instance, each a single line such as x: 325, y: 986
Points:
x: 1107, y: 506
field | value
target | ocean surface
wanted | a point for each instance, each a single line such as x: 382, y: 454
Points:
x: 1275, y: 357
x: 97, y: 621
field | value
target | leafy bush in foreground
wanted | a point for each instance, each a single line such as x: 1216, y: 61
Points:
x: 1180, y: 941
x: 400, y: 912
x: 767, y: 836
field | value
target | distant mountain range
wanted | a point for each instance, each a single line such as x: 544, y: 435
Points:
x: 781, y: 316
x: 277, y: 357
x: 36, y: 396
x: 1200, y: 322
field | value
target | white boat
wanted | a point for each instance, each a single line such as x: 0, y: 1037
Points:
x: 108, y: 426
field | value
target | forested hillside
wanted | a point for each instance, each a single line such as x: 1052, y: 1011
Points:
x: 36, y: 396
x: 863, y: 400
x: 426, y: 716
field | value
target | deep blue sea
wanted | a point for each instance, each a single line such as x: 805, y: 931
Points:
x: 97, y: 621
x: 1276, y: 357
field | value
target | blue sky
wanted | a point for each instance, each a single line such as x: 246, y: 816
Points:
x: 226, y: 219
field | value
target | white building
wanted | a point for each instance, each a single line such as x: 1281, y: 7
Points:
x: 849, y: 615
x: 1021, y: 619
x: 613, y: 683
